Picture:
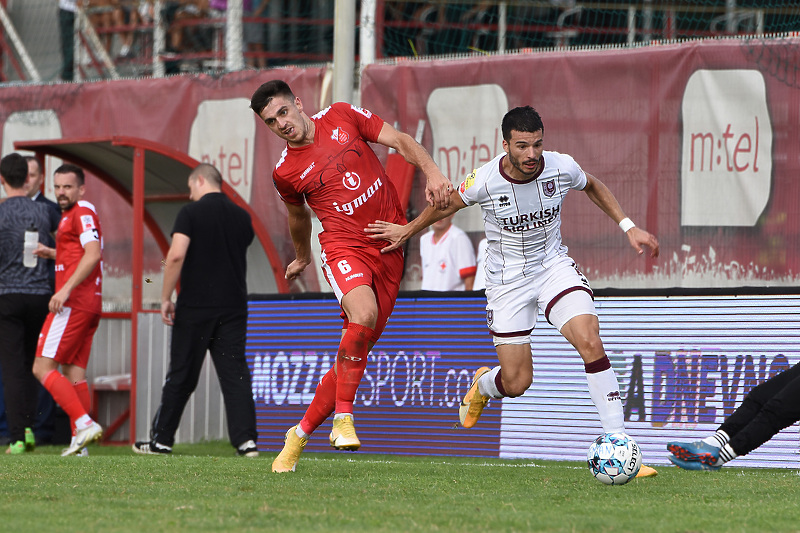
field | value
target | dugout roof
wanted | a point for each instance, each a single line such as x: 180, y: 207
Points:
x: 151, y: 177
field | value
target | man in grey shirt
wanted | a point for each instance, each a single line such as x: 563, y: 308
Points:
x: 24, y: 296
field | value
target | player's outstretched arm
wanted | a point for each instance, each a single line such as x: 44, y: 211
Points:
x: 437, y: 186
x: 396, y: 234
x: 299, y: 219
x: 598, y: 193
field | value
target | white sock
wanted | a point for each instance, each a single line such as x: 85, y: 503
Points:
x: 487, y: 385
x: 718, y: 439
x: 339, y: 416
x: 726, y: 454
x: 300, y: 433
x: 604, y: 390
x: 83, y: 422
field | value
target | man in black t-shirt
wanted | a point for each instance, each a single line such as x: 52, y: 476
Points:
x: 208, y: 255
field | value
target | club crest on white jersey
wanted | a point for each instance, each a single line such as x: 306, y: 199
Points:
x: 549, y: 188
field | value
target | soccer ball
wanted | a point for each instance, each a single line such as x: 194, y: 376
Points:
x: 614, y: 458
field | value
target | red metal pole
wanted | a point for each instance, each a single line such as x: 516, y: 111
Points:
x: 137, y: 272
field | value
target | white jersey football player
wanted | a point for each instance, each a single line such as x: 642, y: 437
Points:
x: 527, y: 267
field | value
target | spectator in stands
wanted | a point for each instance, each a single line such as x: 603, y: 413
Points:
x: 254, y: 34
x: 767, y: 409
x: 209, y: 256
x: 66, y: 27
x: 184, y: 38
x: 480, y: 263
x: 101, y: 17
x: 24, y: 296
x: 448, y: 260
x: 126, y: 13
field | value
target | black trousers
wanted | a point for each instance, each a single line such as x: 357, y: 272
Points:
x: 21, y: 319
x: 223, y: 333
x: 767, y: 409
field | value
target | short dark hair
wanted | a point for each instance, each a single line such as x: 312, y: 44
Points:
x: 209, y: 173
x: 68, y: 168
x: 14, y: 170
x: 267, y: 92
x: 521, y: 119
x: 29, y: 158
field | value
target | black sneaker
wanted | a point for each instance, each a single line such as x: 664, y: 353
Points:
x: 247, y: 449
x: 146, y: 447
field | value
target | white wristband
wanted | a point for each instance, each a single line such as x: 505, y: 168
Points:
x: 626, y: 224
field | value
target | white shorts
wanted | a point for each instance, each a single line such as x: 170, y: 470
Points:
x: 561, y: 292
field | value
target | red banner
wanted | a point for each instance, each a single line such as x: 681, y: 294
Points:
x: 204, y: 116
x: 696, y: 140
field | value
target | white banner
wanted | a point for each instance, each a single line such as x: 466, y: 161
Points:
x: 683, y: 365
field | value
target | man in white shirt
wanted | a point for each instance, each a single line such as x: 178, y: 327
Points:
x: 448, y: 261
x: 527, y: 267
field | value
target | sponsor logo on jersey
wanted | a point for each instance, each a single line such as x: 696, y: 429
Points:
x: 354, y: 276
x: 504, y: 201
x: 87, y: 222
x: 468, y: 182
x: 529, y: 221
x: 549, y: 188
x: 350, y: 207
x: 340, y: 136
x: 351, y: 181
x: 361, y: 110
x: 306, y: 171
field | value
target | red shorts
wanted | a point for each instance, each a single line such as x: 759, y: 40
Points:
x: 67, y: 336
x: 347, y: 268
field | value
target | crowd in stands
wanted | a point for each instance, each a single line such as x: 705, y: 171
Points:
x: 124, y: 29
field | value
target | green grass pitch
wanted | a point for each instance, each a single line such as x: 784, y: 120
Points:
x: 205, y: 487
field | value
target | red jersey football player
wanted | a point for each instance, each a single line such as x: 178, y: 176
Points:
x: 66, y: 336
x: 328, y: 164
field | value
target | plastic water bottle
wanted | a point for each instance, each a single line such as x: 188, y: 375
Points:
x: 31, y: 242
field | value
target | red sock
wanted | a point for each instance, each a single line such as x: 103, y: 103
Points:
x: 322, y: 405
x: 64, y: 394
x: 82, y: 390
x: 350, y: 364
